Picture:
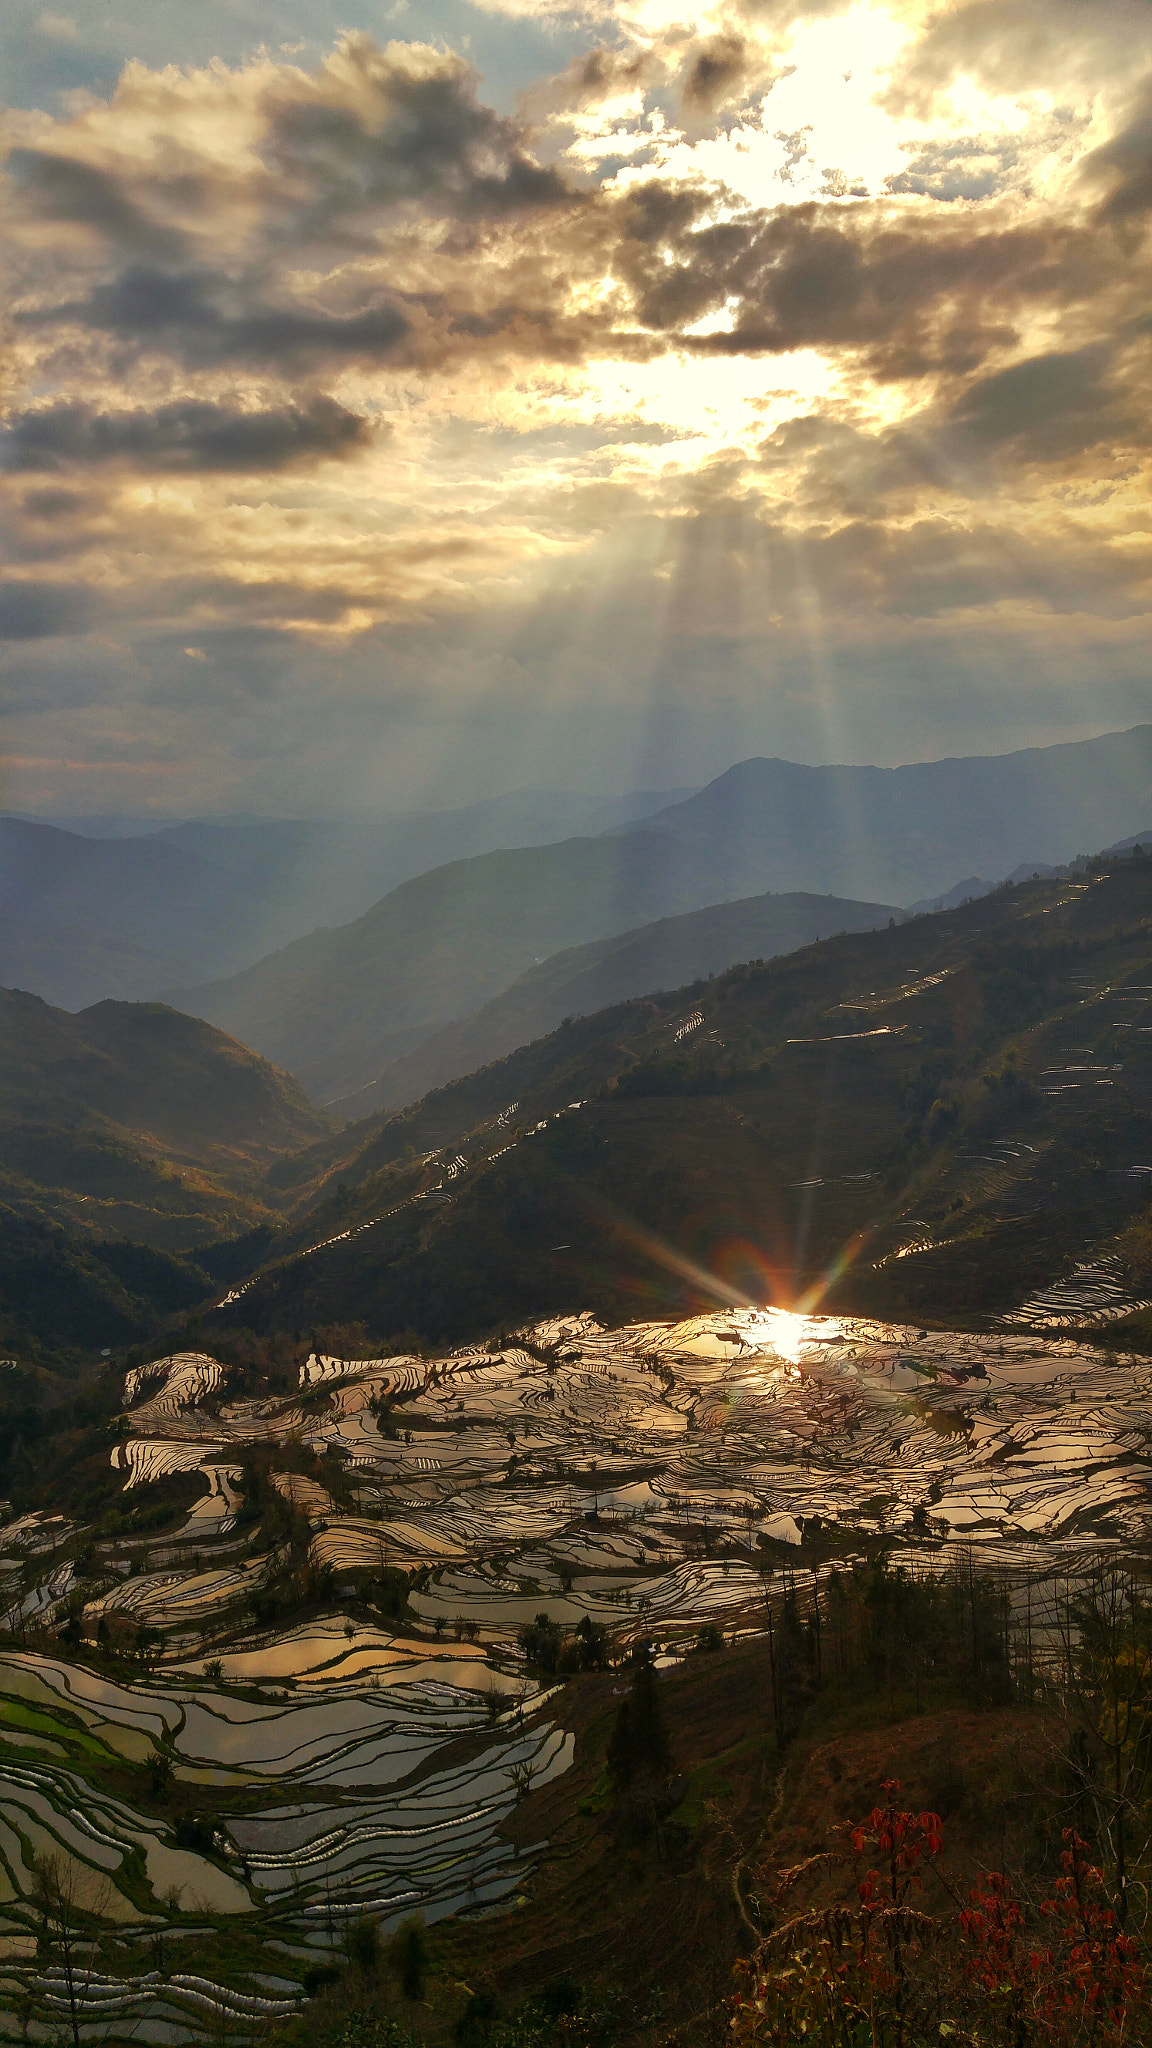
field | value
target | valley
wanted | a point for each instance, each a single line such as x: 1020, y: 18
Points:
x: 781, y: 1340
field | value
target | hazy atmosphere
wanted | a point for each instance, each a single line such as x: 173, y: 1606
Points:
x: 409, y: 405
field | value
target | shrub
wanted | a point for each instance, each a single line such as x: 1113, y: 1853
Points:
x: 540, y: 1641
x: 362, y: 1945
x: 879, y: 1970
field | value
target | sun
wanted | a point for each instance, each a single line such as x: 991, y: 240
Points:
x: 789, y: 1332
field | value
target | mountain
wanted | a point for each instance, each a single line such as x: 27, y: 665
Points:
x: 1027, y: 871
x: 83, y: 918
x: 131, y: 1120
x: 663, y: 955
x: 340, y: 1006
x: 85, y: 915
x: 929, y: 1120
x: 896, y: 834
x: 337, y: 1006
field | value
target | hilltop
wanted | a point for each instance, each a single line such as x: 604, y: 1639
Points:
x: 128, y: 1134
x: 665, y: 954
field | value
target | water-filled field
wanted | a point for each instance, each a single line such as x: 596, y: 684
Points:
x: 340, y: 1759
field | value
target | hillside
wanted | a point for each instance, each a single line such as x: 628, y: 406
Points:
x: 663, y: 955
x: 930, y: 1119
x: 336, y: 1007
x: 130, y: 1120
x: 341, y: 1005
x: 85, y: 918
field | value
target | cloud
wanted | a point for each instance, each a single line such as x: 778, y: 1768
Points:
x: 42, y: 610
x: 1052, y: 403
x: 382, y: 128
x: 655, y: 418
x: 58, y: 27
x: 1067, y: 48
x: 210, y: 318
x: 717, y: 73
x: 376, y: 212
x: 51, y: 187
x: 1125, y: 163
x: 913, y: 298
x: 193, y: 434
x: 594, y: 77
x: 975, y: 167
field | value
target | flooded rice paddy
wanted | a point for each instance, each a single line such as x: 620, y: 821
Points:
x: 650, y: 1478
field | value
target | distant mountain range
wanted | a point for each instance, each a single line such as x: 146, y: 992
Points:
x: 86, y: 914
x: 905, y: 1083
x: 341, y: 1006
x: 974, y: 886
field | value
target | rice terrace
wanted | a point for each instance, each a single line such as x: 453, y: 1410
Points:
x: 465, y: 1531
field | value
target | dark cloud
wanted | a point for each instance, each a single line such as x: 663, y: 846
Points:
x: 1088, y: 411
x: 39, y: 611
x: 192, y: 434
x: 717, y: 74
x: 913, y: 299
x: 465, y: 244
x: 368, y: 213
x: 59, y: 188
x: 378, y: 151
x: 1053, y: 403
x: 413, y: 131
x: 207, y: 318
x: 1125, y: 163
x: 52, y: 505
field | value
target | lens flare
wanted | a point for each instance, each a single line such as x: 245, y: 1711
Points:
x: 788, y: 1332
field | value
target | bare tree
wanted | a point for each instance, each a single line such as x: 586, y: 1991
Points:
x: 520, y: 1776
x: 1105, y: 1630
x: 56, y: 1896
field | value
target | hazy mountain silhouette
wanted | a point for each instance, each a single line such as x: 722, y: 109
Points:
x: 82, y: 916
x: 882, y: 1120
x: 340, y: 1005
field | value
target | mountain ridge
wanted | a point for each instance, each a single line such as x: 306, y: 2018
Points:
x: 667, y: 953
x: 340, y: 1006
x: 84, y: 916
x: 133, y: 1119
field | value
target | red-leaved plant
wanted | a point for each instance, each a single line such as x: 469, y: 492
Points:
x: 850, y: 1976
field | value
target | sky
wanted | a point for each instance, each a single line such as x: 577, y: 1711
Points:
x: 418, y: 400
